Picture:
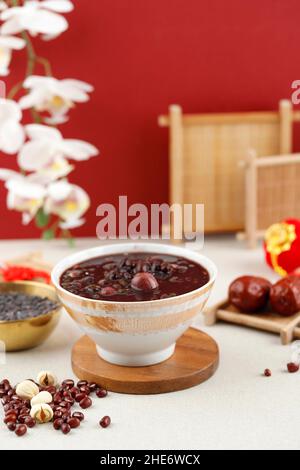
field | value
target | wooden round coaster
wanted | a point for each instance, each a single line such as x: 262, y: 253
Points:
x: 195, y: 359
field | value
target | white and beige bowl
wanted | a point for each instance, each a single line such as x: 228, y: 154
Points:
x: 134, y: 333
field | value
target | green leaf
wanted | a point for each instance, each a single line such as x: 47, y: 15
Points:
x: 48, y: 234
x: 41, y: 218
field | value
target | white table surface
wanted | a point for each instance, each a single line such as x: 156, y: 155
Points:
x: 237, y: 408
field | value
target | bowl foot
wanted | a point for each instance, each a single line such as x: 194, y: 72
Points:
x: 136, y: 360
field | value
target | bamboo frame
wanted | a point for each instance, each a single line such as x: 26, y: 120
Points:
x: 204, y: 151
x: 252, y: 181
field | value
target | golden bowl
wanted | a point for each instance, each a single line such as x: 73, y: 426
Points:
x: 32, y: 331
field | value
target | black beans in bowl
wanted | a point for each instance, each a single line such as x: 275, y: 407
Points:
x: 16, y: 306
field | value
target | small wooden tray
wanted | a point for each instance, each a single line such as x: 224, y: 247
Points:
x: 286, y: 327
x: 195, y: 360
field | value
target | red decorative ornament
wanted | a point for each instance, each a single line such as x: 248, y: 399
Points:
x: 282, y: 247
x: 23, y: 273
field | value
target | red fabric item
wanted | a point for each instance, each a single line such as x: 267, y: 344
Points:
x: 288, y: 260
x: 22, y: 273
x: 142, y: 56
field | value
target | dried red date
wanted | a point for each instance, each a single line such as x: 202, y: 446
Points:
x: 285, y: 296
x: 249, y: 293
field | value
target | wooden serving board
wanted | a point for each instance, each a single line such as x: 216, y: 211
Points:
x: 195, y: 360
x: 286, y: 327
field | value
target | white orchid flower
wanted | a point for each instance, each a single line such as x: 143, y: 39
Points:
x: 71, y: 224
x: 24, y: 196
x: 37, y: 17
x: 67, y: 201
x: 6, y: 174
x: 54, y: 96
x: 11, y: 131
x: 47, y: 152
x: 3, y: 5
x: 7, y: 45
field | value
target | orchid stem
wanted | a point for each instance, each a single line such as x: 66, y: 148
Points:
x: 46, y: 64
x: 14, y: 90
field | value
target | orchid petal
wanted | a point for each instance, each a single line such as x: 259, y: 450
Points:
x: 11, y: 13
x: 38, y: 80
x: 12, y: 42
x: 49, y: 37
x: 39, y: 131
x: 5, y: 58
x: 71, y: 224
x: 60, y: 190
x: 78, y: 149
x: 25, y: 189
x: 58, y: 168
x: 35, y: 155
x: 9, y: 109
x: 3, y: 5
x: 12, y: 26
x: 73, y: 93
x: 56, y: 119
x: 70, y: 207
x: 84, y: 86
x: 60, y: 6
x: 11, y: 137
x: 6, y: 174
x: 32, y: 99
x: 45, y: 22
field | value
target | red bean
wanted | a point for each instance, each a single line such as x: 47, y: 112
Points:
x: 80, y: 383
x: 73, y: 422
x: 101, y: 393
x: 57, y: 423
x: 85, y: 403
x: 11, y: 425
x: 21, y: 430
x: 29, y: 421
x: 66, y: 415
x: 10, y: 417
x: 79, y: 415
x: 51, y: 389
x: 66, y: 428
x: 79, y: 397
x: 68, y: 383
x: 292, y: 367
x: 92, y: 386
x: 74, y: 391
x: 85, y: 389
x: 105, y: 421
x: 57, y: 398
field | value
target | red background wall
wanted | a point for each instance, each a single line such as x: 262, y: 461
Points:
x: 141, y: 56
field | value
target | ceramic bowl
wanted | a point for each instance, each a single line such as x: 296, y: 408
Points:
x: 134, y: 333
x: 30, y: 332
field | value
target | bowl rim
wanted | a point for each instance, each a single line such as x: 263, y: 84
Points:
x: 34, y: 284
x: 118, y: 248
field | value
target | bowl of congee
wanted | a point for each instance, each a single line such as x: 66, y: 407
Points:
x: 134, y: 300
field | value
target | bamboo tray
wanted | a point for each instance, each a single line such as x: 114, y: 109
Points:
x: 286, y: 327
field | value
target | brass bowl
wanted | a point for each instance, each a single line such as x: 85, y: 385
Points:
x: 32, y: 331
